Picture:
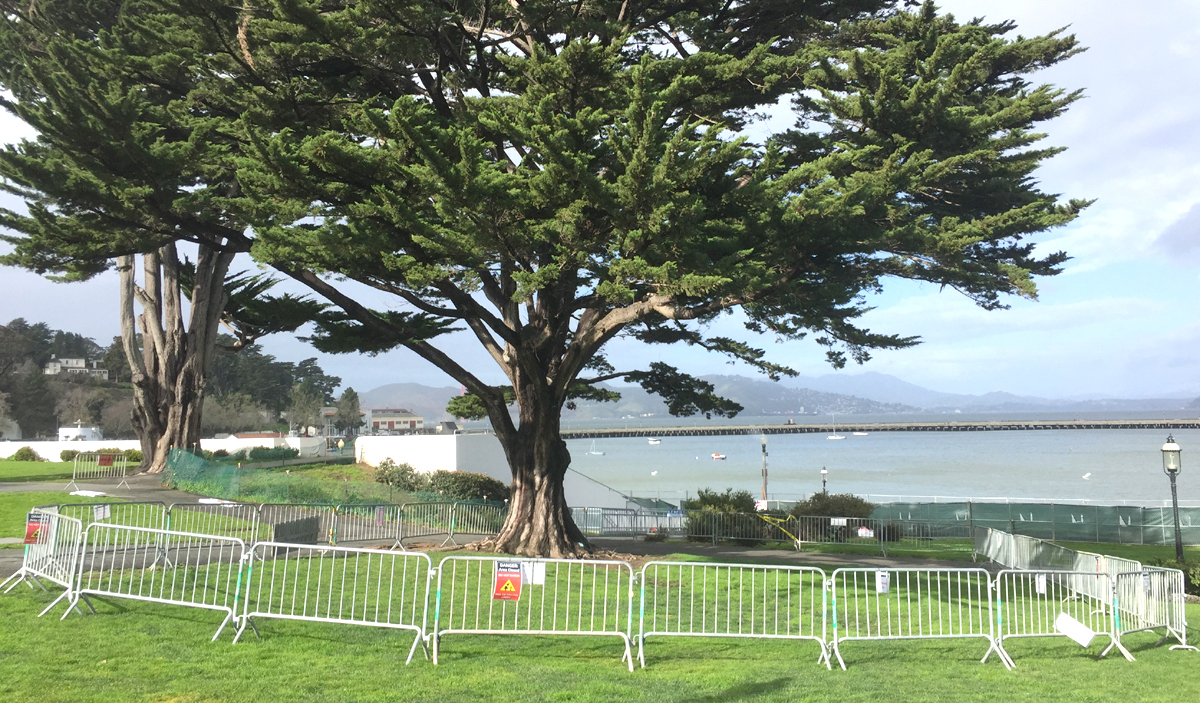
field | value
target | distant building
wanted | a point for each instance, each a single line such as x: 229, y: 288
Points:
x: 80, y: 366
x: 394, y: 421
x: 79, y: 433
x: 327, y: 429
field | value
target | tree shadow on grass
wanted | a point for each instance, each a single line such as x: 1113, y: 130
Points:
x: 747, y: 690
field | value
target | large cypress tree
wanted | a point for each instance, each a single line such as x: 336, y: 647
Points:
x: 552, y: 174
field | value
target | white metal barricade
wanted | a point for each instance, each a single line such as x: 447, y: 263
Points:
x: 90, y: 467
x: 222, y: 519
x: 512, y: 596
x: 151, y: 514
x: 476, y: 519
x: 863, y: 532
x: 306, y: 523
x: 204, y: 571
x: 339, y: 585
x: 1150, y: 599
x: 52, y: 556
x: 1029, y: 603
x: 900, y: 604
x: 368, y: 523
x: 698, y: 599
x: 427, y: 520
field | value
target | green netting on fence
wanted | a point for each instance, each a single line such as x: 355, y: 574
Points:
x: 195, y: 474
x: 1057, y: 521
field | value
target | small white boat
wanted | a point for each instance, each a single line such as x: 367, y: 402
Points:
x: 860, y: 434
x: 835, y: 435
x: 655, y: 440
x: 593, y: 449
x: 718, y: 457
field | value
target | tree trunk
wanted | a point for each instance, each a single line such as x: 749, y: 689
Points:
x: 168, y: 372
x: 539, y: 523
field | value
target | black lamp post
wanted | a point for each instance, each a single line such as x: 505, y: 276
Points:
x: 824, y: 475
x: 763, y: 438
x: 1172, y: 465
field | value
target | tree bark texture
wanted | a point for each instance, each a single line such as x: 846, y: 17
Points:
x: 539, y: 522
x: 170, y: 367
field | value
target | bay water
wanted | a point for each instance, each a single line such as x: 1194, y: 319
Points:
x: 1103, y: 466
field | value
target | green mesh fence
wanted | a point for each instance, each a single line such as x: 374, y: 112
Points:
x: 1057, y: 521
x: 195, y: 474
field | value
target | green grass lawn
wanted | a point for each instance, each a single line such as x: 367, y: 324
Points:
x: 35, y: 471
x: 15, y: 506
x: 135, y: 651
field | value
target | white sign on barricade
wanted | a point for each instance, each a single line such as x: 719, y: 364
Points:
x: 700, y: 599
x: 118, y: 561
x: 1024, y: 608
x: 341, y: 585
x: 868, y: 604
x: 51, y: 552
x: 583, y: 597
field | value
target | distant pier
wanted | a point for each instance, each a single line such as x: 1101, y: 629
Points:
x: 845, y: 428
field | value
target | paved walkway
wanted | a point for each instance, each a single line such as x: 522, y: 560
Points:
x: 144, y: 487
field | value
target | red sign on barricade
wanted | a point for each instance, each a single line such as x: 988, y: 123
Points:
x: 508, y: 581
x: 33, y: 527
x: 105, y: 460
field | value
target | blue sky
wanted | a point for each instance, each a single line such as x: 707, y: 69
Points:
x: 1122, y: 320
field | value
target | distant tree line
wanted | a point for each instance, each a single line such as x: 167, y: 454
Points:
x: 248, y: 390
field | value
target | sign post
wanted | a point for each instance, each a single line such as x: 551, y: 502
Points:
x: 508, y: 581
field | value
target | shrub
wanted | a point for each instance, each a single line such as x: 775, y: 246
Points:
x: 272, y: 453
x: 133, y: 456
x: 728, y: 502
x: 834, y: 505
x: 25, y: 454
x: 402, y: 476
x: 68, y: 455
x: 466, y: 485
x: 220, y: 454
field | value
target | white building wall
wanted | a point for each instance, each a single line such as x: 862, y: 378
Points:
x: 50, y: 450
x: 426, y: 453
x: 478, y: 453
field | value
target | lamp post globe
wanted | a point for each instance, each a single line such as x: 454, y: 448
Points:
x: 1172, y: 465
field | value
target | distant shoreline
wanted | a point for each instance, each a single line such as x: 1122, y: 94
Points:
x: 844, y: 426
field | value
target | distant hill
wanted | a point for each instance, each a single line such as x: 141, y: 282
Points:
x: 889, y: 389
x: 866, y: 393
x: 428, y: 402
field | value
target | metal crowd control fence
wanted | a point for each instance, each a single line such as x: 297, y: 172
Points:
x: 368, y: 523
x: 223, y: 519
x: 427, y: 520
x: 738, y: 527
x: 150, y: 514
x: 98, y: 466
x: 303, y: 523
x: 339, y: 585
x: 1029, y: 604
x: 898, y: 604
x: 121, y: 562
x: 1150, y: 599
x: 476, y: 519
x: 625, y: 522
x: 485, y: 596
x: 692, y: 599
x: 53, y: 555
